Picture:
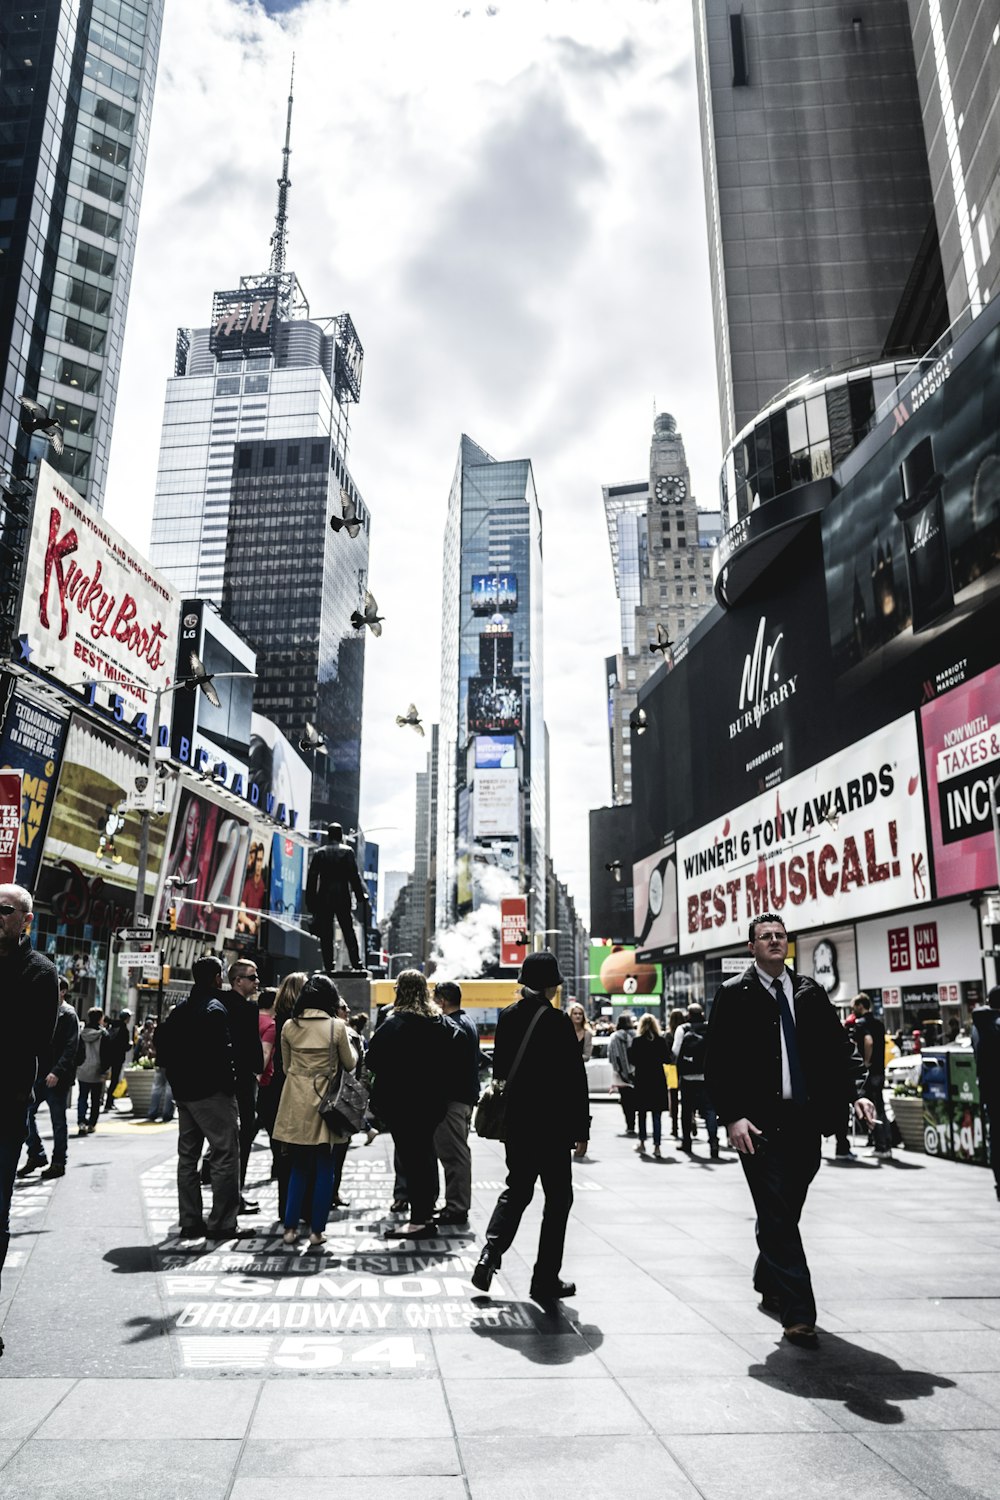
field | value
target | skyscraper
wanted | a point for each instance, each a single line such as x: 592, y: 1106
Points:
x: 817, y: 188
x: 491, y: 783
x: 253, y: 465
x: 76, y: 89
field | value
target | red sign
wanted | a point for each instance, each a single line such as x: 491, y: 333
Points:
x: 961, y: 732
x: 513, y: 931
x: 10, y: 824
x: 925, y: 941
x: 899, y: 949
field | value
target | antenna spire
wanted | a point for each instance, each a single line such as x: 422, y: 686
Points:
x: 279, y: 239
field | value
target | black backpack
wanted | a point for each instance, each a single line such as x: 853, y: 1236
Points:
x: 691, y: 1058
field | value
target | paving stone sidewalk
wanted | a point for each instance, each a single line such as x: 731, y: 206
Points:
x: 142, y: 1367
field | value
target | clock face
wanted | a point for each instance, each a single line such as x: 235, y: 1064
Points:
x: 656, y: 891
x: 671, y: 487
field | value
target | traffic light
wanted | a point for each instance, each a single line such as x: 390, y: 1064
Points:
x: 172, y: 917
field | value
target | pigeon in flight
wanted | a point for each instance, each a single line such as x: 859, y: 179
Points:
x: 348, y: 520
x: 370, y: 617
x: 201, y: 677
x: 637, y: 720
x: 615, y: 869
x: 35, y: 418
x: 662, y: 642
x: 412, y: 718
x: 312, y: 740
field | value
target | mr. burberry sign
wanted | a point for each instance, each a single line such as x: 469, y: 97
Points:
x: 843, y: 840
x: 93, y: 608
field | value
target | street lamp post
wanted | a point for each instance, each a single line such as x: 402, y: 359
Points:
x: 390, y: 959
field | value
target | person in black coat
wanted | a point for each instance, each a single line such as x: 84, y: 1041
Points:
x: 333, y: 875
x: 546, y: 1117
x: 412, y: 1059
x: 780, y: 1069
x: 986, y: 1045
x: 649, y: 1056
x: 53, y: 1087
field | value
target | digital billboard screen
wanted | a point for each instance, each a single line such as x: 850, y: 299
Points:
x: 961, y: 735
x: 616, y: 972
x: 495, y: 703
x: 494, y: 593
x: 496, y: 752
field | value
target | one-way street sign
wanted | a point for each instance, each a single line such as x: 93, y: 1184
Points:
x: 135, y: 934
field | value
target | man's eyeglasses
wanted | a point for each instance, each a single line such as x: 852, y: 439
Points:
x: 769, y: 937
x: 6, y: 909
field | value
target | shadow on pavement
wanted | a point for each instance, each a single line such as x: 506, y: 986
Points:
x: 150, y: 1328
x: 538, y: 1343
x: 870, y: 1385
x: 127, y: 1260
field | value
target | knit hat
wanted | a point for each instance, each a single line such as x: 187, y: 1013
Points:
x: 540, y: 971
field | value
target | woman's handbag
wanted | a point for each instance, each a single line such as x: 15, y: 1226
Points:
x: 343, y: 1103
x: 492, y: 1108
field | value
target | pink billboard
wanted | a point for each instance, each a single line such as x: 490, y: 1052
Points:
x: 961, y: 735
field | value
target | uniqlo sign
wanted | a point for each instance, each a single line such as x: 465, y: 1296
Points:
x: 899, y: 949
x: 925, y: 943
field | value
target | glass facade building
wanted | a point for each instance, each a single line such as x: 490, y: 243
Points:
x: 253, y: 463
x: 491, y: 688
x: 76, y: 89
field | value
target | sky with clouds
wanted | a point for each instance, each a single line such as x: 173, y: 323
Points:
x: 507, y: 198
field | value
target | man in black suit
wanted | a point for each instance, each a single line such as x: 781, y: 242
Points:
x: 780, y: 1068
x: 986, y: 1043
x: 333, y: 875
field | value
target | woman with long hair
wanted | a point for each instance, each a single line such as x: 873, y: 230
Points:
x: 314, y: 1047
x: 583, y: 1029
x: 675, y: 1019
x: 410, y: 1058
x: 649, y: 1056
x: 289, y: 991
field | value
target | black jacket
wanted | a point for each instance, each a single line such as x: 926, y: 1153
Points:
x: 548, y: 1094
x: 244, y: 1033
x: 29, y: 1001
x: 648, y: 1056
x: 194, y: 1046
x: 333, y: 874
x: 60, y: 1058
x: 743, y: 1059
x: 986, y: 1041
x: 413, y: 1062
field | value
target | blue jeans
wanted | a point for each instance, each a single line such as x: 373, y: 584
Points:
x: 57, y: 1099
x: 161, y: 1100
x: 94, y: 1093
x: 696, y: 1098
x: 322, y: 1198
x: 657, y: 1115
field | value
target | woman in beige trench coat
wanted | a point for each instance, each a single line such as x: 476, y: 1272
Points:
x: 314, y: 1047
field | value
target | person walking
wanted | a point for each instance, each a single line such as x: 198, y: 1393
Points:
x: 53, y: 1087
x: 161, y: 1098
x: 650, y: 1055
x: 623, y: 1076
x: 119, y: 1041
x: 986, y: 1046
x: 93, y: 1061
x: 869, y: 1039
x: 29, y: 1002
x: 451, y: 1138
x: 267, y: 1099
x: 240, y: 1001
x: 583, y: 1029
x: 289, y: 991
x: 780, y: 1069
x: 195, y: 1048
x: 674, y: 1021
x: 333, y: 876
x: 410, y: 1059
x: 690, y: 1045
x: 546, y: 1117
x: 314, y: 1047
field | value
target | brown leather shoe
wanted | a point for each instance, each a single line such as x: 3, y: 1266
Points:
x: 802, y: 1335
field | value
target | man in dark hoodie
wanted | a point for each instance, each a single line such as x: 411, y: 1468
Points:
x: 547, y: 1114
x: 29, y: 1000
x: 53, y: 1087
x: 194, y: 1046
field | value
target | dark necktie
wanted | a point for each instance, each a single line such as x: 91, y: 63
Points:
x: 800, y: 1093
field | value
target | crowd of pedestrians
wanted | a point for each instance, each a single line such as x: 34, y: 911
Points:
x: 775, y: 1066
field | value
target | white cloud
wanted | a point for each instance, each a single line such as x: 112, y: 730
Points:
x: 510, y: 207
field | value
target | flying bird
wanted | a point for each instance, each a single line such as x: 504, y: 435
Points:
x: 201, y: 677
x: 615, y: 869
x: 348, y: 520
x: 412, y: 718
x: 662, y: 642
x: 178, y: 883
x: 637, y: 720
x: 369, y: 617
x: 35, y: 418
x: 312, y: 740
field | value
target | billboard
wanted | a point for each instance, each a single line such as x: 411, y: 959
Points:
x: 286, y: 876
x: 207, y: 860
x: 93, y: 609
x: 496, y: 653
x: 496, y: 805
x: 225, y: 731
x: 920, y: 947
x: 31, y: 741
x: 278, y: 772
x: 495, y: 703
x: 494, y: 593
x: 654, y: 900
x: 611, y: 843
x: 513, y: 931
x: 961, y: 736
x: 10, y: 824
x: 838, y: 842
x: 617, y: 972
x: 254, y: 893
x: 496, y: 752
